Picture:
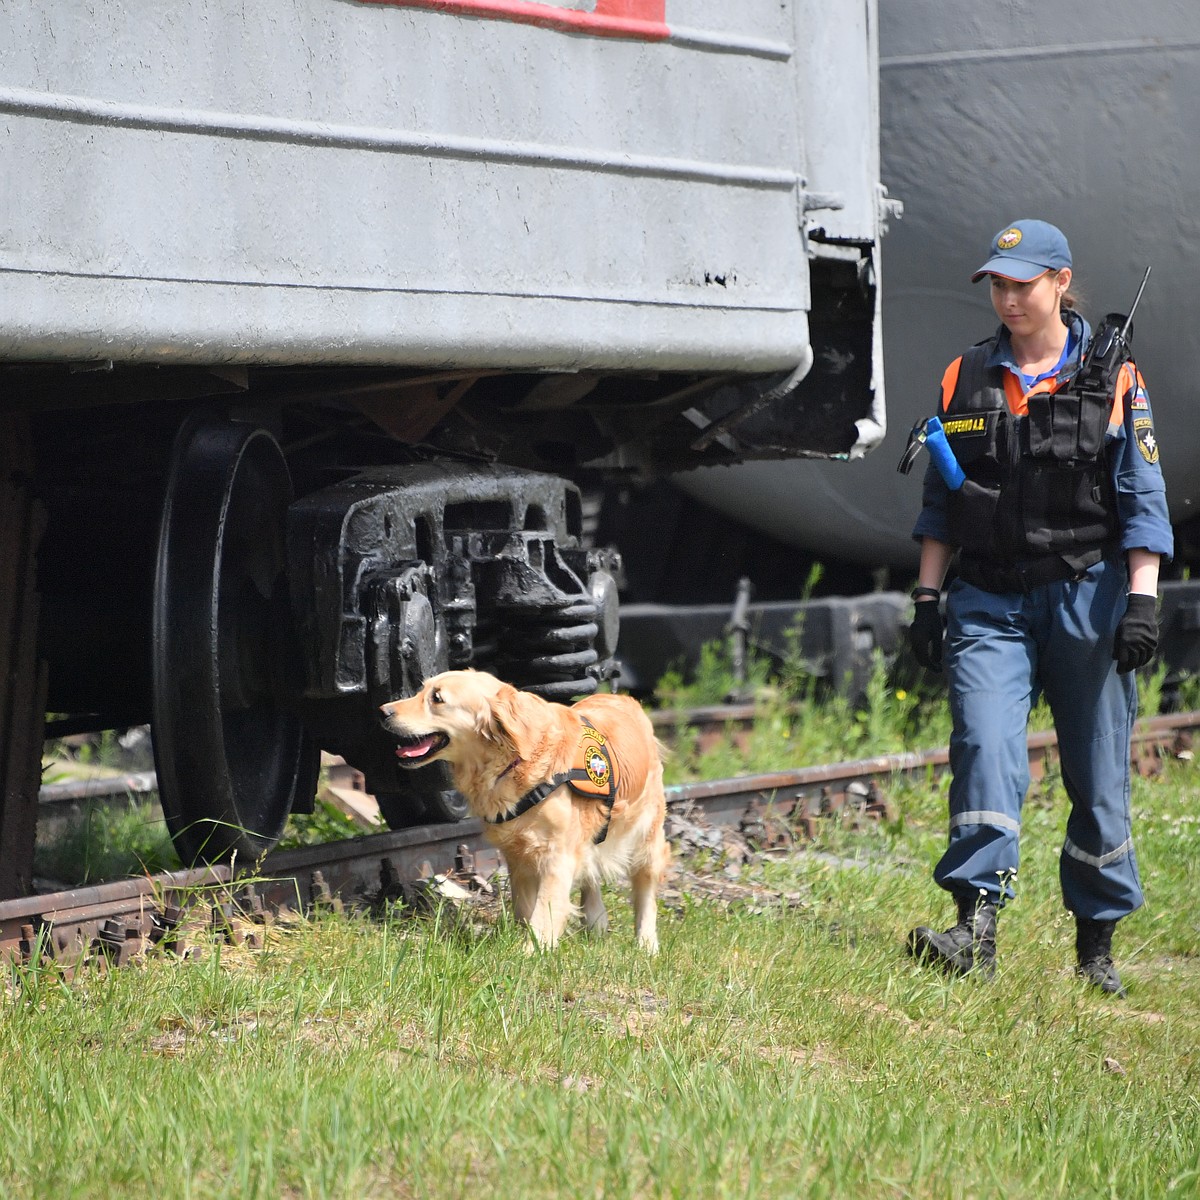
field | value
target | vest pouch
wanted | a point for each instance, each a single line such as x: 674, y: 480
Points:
x: 1066, y: 425
x: 970, y: 516
x: 1065, y: 509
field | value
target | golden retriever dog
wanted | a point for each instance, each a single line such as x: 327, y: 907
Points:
x: 569, y: 794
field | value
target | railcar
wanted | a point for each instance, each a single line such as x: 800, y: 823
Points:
x: 1105, y: 108
x: 319, y: 318
x: 1107, y: 112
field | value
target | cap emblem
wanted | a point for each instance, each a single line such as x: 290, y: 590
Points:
x: 1008, y: 239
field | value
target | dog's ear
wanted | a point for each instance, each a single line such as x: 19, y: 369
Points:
x: 512, y: 719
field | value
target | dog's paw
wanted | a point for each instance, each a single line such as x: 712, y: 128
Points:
x: 536, y: 945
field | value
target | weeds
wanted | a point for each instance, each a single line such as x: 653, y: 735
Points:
x: 101, y: 840
x: 106, y: 841
x: 326, y: 823
x: 796, y: 722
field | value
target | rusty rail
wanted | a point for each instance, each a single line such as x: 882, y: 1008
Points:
x: 110, y: 923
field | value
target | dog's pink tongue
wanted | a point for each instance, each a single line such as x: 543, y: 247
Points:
x: 416, y: 749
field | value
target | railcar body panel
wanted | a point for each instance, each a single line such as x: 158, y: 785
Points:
x: 375, y: 183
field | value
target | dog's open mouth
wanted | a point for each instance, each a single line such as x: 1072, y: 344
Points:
x: 414, y: 750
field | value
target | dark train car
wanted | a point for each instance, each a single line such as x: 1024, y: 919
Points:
x: 315, y: 318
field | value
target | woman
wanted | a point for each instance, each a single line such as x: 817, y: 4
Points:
x: 1060, y: 526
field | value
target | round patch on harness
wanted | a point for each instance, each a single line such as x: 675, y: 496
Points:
x: 1008, y: 239
x: 1147, y: 443
x: 597, y: 767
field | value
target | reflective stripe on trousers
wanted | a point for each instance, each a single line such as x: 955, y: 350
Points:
x: 1002, y: 652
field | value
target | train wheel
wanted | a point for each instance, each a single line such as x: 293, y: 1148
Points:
x: 231, y: 760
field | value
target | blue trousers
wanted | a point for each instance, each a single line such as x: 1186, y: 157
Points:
x: 1002, y: 652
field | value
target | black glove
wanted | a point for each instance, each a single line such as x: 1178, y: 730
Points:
x: 1137, y: 634
x: 925, y: 634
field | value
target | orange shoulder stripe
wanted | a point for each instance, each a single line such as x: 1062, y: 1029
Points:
x: 950, y: 382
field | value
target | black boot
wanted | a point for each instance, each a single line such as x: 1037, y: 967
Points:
x: 1093, y: 952
x: 969, y: 946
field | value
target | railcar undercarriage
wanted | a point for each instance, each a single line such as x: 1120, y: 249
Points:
x: 254, y: 559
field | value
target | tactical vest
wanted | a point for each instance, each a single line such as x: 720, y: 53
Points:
x: 1038, y: 489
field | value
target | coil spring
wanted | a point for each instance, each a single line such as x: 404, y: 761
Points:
x: 548, y: 651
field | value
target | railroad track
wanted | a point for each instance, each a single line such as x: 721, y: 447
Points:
x: 111, y: 923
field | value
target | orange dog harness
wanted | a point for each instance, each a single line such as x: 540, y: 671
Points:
x: 592, y: 774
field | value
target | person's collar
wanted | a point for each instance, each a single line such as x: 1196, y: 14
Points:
x: 1079, y: 333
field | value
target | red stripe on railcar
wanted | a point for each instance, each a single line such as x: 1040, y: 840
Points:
x: 644, y: 19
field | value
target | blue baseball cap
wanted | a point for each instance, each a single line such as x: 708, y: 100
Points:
x: 1024, y: 250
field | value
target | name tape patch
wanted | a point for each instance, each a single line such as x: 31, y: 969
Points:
x: 960, y: 426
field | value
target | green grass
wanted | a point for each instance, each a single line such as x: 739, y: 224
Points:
x: 769, y: 1050
x: 102, y: 840
x: 781, y: 1045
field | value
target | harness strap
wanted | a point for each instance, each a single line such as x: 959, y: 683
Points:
x: 584, y: 781
x: 531, y: 798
